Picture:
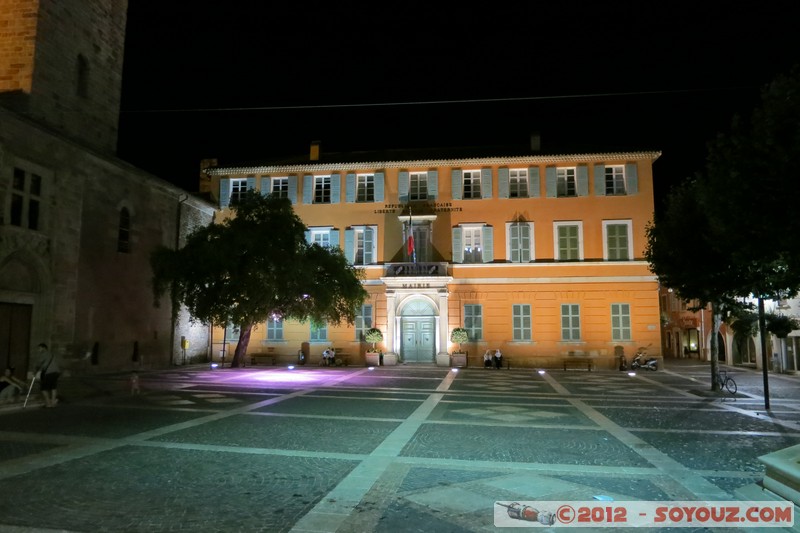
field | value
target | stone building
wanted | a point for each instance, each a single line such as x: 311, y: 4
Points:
x: 77, y: 224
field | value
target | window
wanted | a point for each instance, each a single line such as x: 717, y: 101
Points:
x: 521, y: 320
x: 365, y: 188
x: 617, y: 238
x: 232, y: 333
x: 520, y: 242
x: 280, y: 187
x: 238, y: 190
x: 418, y: 186
x: 615, y: 180
x: 319, y: 332
x: 274, y: 329
x: 322, y: 189
x: 321, y: 237
x: 472, y: 184
x: 472, y: 244
x: 363, y: 321
x: 365, y: 246
x: 620, y: 322
x: 569, y: 241
x: 473, y: 321
x: 26, y: 196
x: 518, y: 183
x: 570, y: 322
x: 124, y: 231
x: 565, y: 182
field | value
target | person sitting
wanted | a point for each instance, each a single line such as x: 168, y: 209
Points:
x: 498, y: 359
x: 10, y: 386
x: 487, y: 359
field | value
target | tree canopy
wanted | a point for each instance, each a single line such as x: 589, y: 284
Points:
x: 258, y: 265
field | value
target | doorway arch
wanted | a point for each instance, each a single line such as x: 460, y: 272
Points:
x: 418, y: 331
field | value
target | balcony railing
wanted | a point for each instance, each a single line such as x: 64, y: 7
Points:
x: 397, y: 270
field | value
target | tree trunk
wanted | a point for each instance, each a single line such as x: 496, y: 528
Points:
x: 241, y: 346
x: 716, y: 320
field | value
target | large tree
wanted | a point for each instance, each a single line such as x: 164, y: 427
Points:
x: 255, y: 265
x: 739, y: 239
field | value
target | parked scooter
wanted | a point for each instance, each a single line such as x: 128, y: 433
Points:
x: 640, y: 362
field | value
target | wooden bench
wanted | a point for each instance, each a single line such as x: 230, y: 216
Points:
x: 262, y: 358
x: 573, y: 361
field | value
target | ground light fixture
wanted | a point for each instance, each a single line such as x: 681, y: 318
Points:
x: 291, y: 367
x: 632, y: 374
x: 542, y: 372
x: 371, y: 368
x: 455, y: 370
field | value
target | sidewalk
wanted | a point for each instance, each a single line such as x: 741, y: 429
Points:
x: 391, y: 450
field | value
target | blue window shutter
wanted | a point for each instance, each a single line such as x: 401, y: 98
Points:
x: 265, y: 185
x: 433, y: 184
x: 224, y: 192
x: 308, y: 189
x: 308, y: 236
x: 369, y: 244
x: 488, y: 244
x: 631, y: 179
x: 486, y: 183
x: 582, y: 179
x: 456, y: 183
x: 533, y: 182
x: 458, y: 248
x: 599, y: 179
x: 336, y: 188
x: 502, y: 182
x: 525, y: 239
x: 550, y: 182
x: 349, y: 245
x: 335, y: 238
x: 402, y: 186
x: 379, y: 186
x: 293, y: 189
x: 251, y: 183
x: 349, y: 188
x: 514, y: 241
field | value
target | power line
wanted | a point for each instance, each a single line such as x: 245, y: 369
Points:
x: 431, y: 102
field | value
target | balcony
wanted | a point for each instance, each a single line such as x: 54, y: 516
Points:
x: 407, y: 270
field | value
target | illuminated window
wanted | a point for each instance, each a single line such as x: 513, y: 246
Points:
x: 472, y: 244
x: 364, y: 245
x: 275, y: 329
x: 321, y: 237
x: 565, y: 182
x: 318, y: 333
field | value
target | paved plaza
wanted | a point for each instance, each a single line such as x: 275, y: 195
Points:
x: 391, y: 449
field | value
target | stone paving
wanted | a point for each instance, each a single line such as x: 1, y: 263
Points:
x: 392, y: 449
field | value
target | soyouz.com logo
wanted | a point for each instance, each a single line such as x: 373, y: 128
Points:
x: 643, y: 514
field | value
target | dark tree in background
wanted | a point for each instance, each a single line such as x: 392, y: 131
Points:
x: 257, y: 265
x: 740, y: 237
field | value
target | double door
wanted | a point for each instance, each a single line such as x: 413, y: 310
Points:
x: 419, y: 338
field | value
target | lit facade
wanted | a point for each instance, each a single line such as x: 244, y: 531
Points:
x: 540, y: 256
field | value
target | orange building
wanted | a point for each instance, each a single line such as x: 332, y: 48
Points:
x: 539, y: 256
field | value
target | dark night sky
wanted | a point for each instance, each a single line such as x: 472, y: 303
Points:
x: 247, y: 81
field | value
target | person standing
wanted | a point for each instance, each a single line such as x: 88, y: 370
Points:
x: 48, y: 371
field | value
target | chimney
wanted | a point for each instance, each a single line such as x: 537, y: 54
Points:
x: 536, y: 142
x: 314, y: 155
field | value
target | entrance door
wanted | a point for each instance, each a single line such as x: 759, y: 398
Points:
x: 15, y: 336
x: 418, y: 340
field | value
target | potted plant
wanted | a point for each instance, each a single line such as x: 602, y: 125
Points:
x: 374, y: 336
x: 459, y: 335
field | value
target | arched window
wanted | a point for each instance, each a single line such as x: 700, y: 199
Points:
x: 124, y: 234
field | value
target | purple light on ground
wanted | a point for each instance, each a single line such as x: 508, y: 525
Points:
x: 285, y: 377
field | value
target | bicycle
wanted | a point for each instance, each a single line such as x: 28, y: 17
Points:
x: 725, y: 381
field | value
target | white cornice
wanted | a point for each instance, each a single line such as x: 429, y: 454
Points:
x: 423, y: 163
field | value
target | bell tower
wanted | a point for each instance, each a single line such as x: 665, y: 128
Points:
x: 61, y: 65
